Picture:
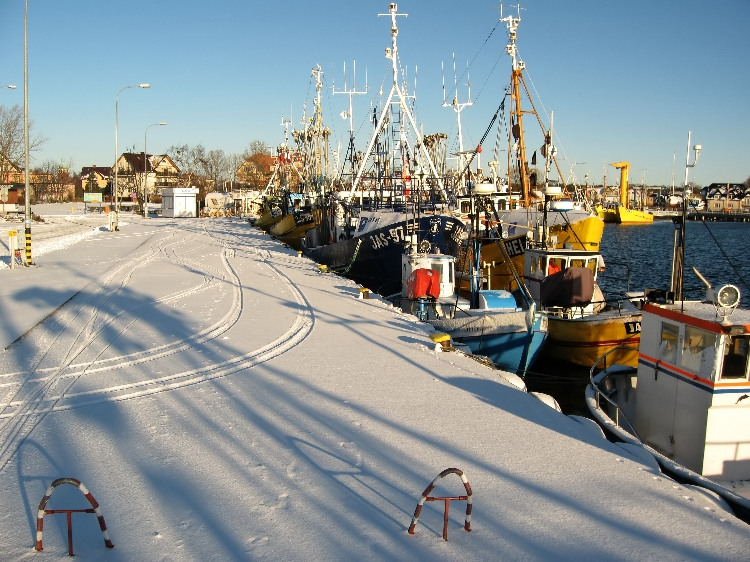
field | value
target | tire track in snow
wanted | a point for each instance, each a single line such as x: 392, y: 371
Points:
x: 18, y: 418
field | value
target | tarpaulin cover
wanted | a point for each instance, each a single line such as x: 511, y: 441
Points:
x: 573, y: 286
x: 423, y: 283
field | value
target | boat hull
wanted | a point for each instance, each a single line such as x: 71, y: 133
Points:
x: 583, y: 340
x: 578, y: 230
x: 511, y: 340
x: 292, y: 228
x: 607, y: 214
x: 373, y: 259
x: 267, y: 220
x: 623, y: 215
x: 633, y: 216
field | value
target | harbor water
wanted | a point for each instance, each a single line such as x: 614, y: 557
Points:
x: 719, y: 250
x: 639, y: 257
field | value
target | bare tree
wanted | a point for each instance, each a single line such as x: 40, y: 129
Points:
x: 189, y: 160
x: 12, y: 145
x: 216, y: 167
x: 258, y: 147
x: 52, y: 182
x: 234, y: 161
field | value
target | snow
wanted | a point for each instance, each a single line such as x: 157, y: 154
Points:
x: 224, y: 400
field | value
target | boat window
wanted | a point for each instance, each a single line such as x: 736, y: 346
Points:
x: 735, y: 357
x: 437, y: 267
x: 555, y: 265
x: 577, y: 263
x: 466, y: 207
x: 668, y: 343
x: 698, y: 351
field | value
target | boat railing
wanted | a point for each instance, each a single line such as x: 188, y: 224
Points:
x: 598, y: 374
x: 623, y: 303
x: 606, y: 275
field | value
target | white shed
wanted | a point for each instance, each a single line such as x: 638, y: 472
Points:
x: 179, y: 202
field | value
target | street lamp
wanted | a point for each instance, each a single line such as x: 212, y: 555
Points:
x: 27, y: 186
x: 117, y: 102
x: 11, y: 86
x: 145, y: 168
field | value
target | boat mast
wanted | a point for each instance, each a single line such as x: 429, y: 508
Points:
x: 458, y: 108
x: 516, y: 129
x: 313, y: 140
x: 678, y: 256
x: 396, y: 91
x: 320, y: 133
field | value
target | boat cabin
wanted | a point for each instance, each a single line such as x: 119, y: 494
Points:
x: 693, y: 393
x: 541, y: 264
x: 499, y: 198
x: 443, y: 266
x: 428, y: 289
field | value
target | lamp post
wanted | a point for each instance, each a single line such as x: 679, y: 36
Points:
x: 678, y: 259
x: 11, y: 86
x: 117, y: 112
x: 145, y: 168
x: 27, y: 188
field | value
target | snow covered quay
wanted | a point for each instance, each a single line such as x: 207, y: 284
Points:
x: 224, y: 400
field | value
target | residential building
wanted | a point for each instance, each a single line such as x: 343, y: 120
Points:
x: 132, y: 168
x: 94, y: 178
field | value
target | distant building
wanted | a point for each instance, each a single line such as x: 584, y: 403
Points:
x: 133, y: 168
x: 94, y: 178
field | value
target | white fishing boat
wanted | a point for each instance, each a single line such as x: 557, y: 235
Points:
x: 688, y: 400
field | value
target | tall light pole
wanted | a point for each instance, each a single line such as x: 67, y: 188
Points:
x: 27, y: 189
x: 145, y: 168
x: 117, y: 123
x: 11, y: 86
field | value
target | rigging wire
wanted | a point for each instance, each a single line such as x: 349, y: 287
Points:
x: 558, y: 144
x: 723, y: 253
x: 474, y: 58
x: 500, y: 110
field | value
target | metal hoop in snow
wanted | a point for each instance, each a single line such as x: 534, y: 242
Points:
x: 425, y: 497
x: 94, y: 509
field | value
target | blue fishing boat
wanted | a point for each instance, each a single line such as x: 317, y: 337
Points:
x: 507, y: 327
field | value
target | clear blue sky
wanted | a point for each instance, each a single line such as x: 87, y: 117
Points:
x: 626, y: 80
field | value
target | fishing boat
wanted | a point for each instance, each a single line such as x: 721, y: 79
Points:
x: 504, y: 326
x: 688, y: 401
x: 583, y: 322
x: 576, y: 224
x: 299, y: 205
x: 624, y: 213
x: 396, y: 199
x: 273, y: 203
x: 515, y: 206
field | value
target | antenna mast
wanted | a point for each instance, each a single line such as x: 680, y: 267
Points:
x: 458, y: 107
x: 350, y: 112
x: 391, y: 53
